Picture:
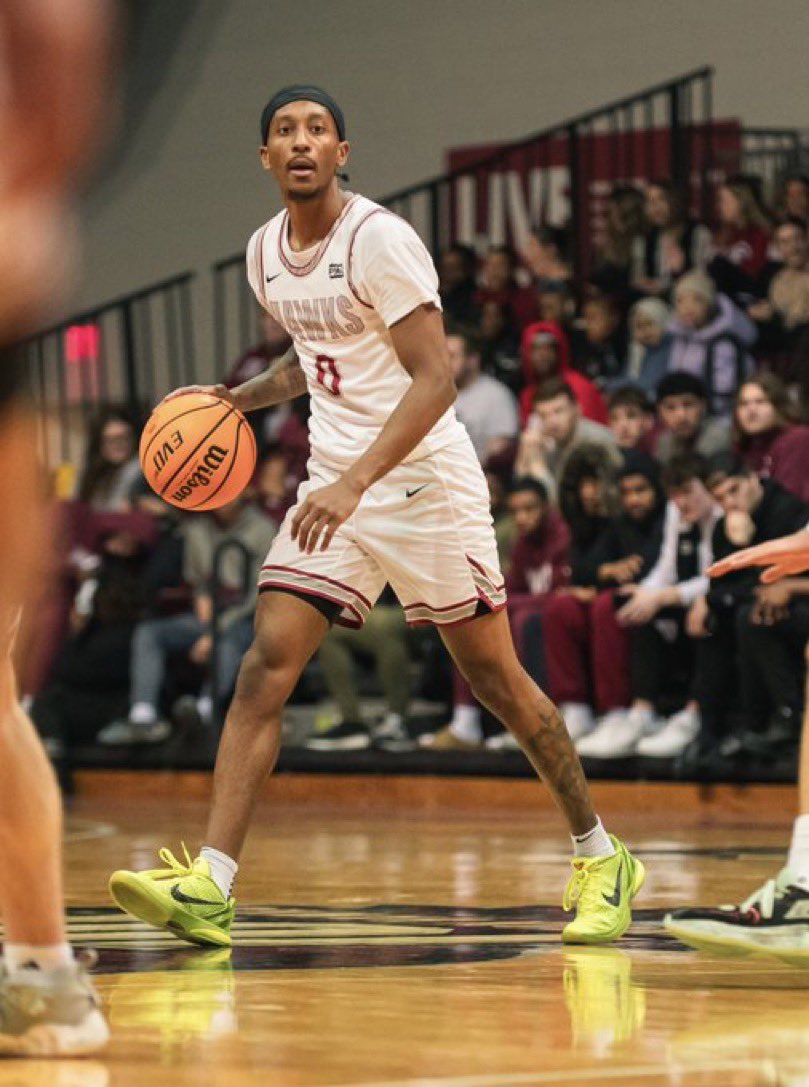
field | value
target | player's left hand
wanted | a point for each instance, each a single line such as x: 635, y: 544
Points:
x: 322, y: 512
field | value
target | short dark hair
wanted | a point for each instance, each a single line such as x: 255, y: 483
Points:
x: 681, y: 383
x: 725, y: 465
x: 467, y: 254
x: 471, y: 341
x: 528, y: 483
x: 793, y: 220
x: 549, y: 390
x: 682, y: 469
x: 630, y: 396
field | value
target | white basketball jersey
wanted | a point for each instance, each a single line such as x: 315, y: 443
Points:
x: 337, y: 301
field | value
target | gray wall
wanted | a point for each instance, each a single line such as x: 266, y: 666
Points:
x: 414, y: 78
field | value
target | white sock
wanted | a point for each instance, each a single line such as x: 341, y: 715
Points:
x: 465, y: 724
x: 41, y: 956
x: 392, y: 721
x: 798, y: 861
x: 142, y: 713
x: 223, y: 868
x: 595, y: 843
x: 205, y: 707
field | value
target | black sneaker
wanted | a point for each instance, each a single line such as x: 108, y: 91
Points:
x: 347, y: 736
x: 773, y: 920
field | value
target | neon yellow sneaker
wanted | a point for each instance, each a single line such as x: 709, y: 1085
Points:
x: 601, y: 890
x: 181, y: 898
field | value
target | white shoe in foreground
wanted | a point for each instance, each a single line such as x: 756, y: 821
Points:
x: 54, y: 1013
x: 579, y: 719
x: 673, y: 738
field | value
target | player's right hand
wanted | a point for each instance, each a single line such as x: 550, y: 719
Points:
x: 222, y: 391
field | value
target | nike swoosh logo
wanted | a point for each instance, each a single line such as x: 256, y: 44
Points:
x: 416, y: 491
x: 271, y: 278
x: 615, y: 898
x: 188, y: 900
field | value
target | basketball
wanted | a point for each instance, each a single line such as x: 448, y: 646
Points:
x: 197, y: 451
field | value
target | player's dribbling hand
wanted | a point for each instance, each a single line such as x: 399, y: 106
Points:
x: 222, y: 391
x: 322, y: 512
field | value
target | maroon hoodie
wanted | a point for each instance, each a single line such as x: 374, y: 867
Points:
x: 782, y: 455
x: 591, y: 402
x: 540, y: 560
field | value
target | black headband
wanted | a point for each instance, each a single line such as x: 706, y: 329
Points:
x: 299, y: 92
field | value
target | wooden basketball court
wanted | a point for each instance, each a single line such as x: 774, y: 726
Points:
x: 405, y: 933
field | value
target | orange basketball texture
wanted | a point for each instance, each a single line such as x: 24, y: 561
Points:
x: 197, y: 451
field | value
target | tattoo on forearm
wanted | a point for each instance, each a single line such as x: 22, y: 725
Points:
x: 282, y: 380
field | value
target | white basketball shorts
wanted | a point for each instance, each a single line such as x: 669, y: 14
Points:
x: 426, y: 528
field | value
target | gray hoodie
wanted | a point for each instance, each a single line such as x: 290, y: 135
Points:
x: 717, y: 353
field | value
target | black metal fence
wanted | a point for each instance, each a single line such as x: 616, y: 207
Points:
x: 130, y: 350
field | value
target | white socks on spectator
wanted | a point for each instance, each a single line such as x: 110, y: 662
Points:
x: 41, y: 956
x: 142, y: 713
x: 465, y: 724
x: 798, y: 862
x: 595, y: 843
x: 223, y: 868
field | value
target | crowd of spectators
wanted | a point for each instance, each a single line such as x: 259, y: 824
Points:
x: 631, y: 427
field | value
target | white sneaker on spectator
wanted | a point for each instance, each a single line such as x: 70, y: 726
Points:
x: 617, y: 734
x: 501, y: 741
x: 578, y: 718
x: 674, y: 737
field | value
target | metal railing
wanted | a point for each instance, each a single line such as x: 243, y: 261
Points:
x: 129, y: 350
x: 771, y: 154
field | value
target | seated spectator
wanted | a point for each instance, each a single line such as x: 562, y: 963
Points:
x: 384, y: 639
x: 735, y: 606
x: 546, y: 357
x: 616, y: 256
x: 682, y: 411
x: 485, y: 406
x: 557, y: 428
x: 273, y: 483
x: 557, y: 304
x: 499, y: 342
x: 788, y: 298
x: 659, y: 612
x: 631, y: 418
x: 539, y: 563
x: 498, y: 283
x: 673, y: 245
x: 586, y: 651
x: 741, y: 241
x: 457, y: 274
x: 112, y: 471
x: 711, y: 340
x: 545, y: 256
x: 600, y: 353
x: 505, y: 528
x: 767, y: 439
x: 650, y: 342
x: 190, y: 632
x: 795, y: 199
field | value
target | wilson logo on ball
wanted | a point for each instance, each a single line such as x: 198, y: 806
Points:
x: 203, y: 474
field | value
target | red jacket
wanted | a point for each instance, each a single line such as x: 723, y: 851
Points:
x: 591, y: 402
x: 782, y: 455
x: 540, y: 561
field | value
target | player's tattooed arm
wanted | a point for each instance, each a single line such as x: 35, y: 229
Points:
x: 283, y: 380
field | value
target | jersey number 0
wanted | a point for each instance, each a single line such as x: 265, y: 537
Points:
x: 328, y: 375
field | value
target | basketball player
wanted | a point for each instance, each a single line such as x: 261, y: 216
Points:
x: 52, y: 67
x: 395, y: 494
x: 775, y: 918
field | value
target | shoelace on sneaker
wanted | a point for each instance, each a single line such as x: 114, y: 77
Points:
x: 576, y: 890
x: 173, y: 866
x: 762, y: 900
